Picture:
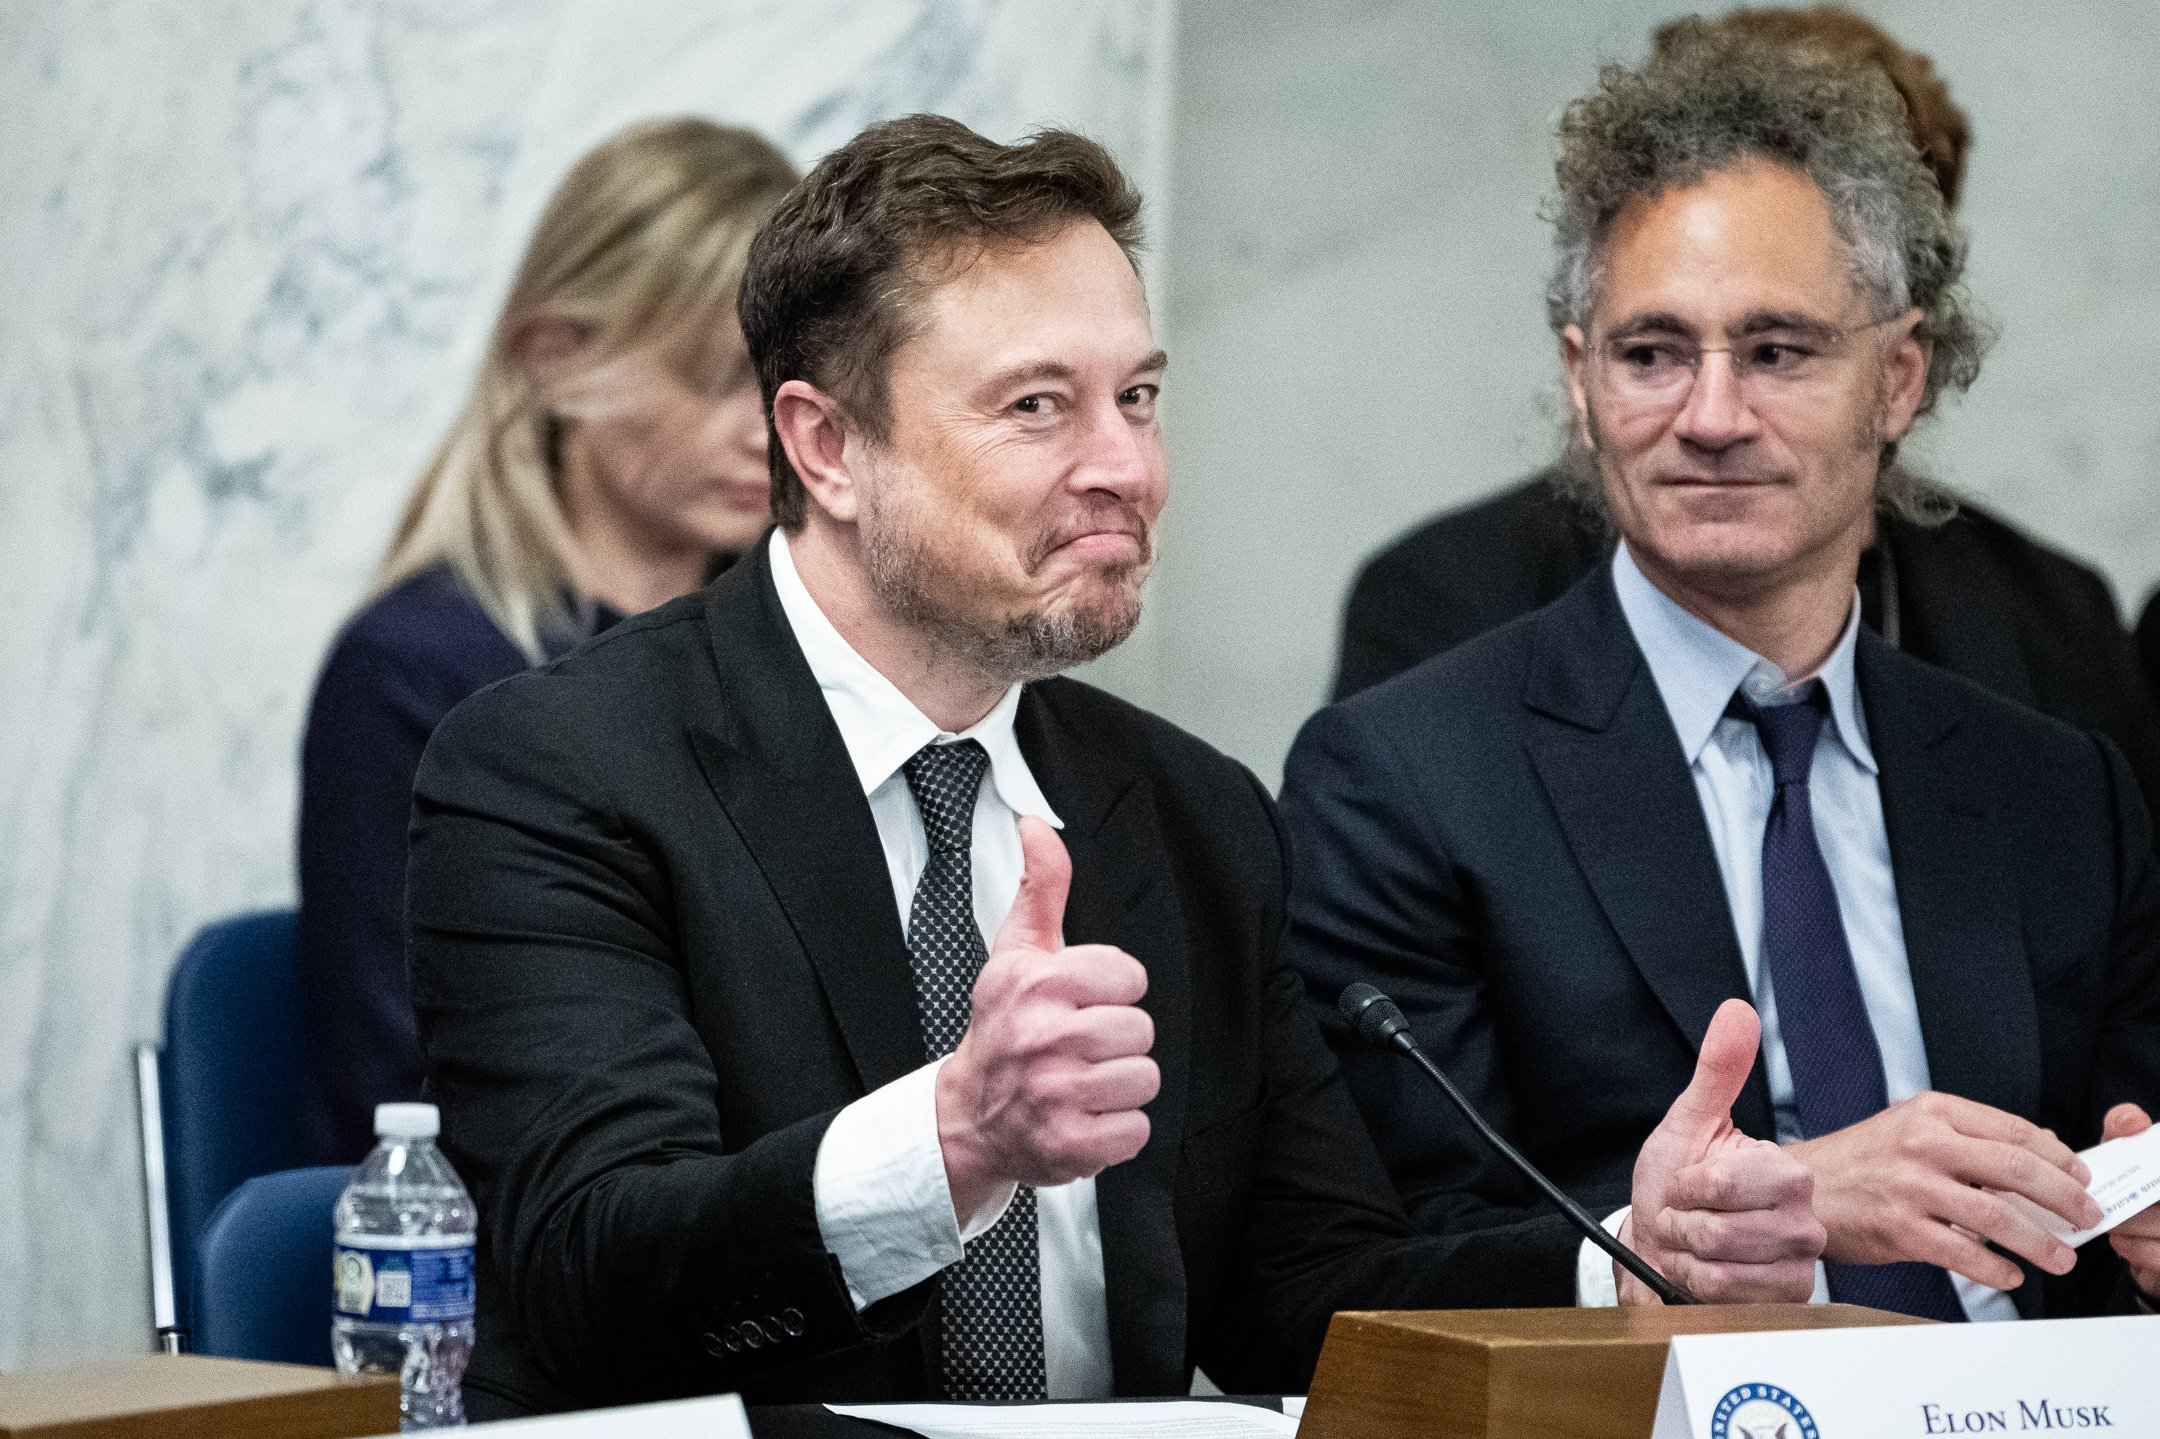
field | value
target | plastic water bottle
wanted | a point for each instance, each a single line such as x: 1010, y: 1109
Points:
x: 402, y: 1279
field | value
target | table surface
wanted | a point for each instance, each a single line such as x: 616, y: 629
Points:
x: 815, y: 1421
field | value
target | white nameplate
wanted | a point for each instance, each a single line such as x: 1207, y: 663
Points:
x: 2094, y: 1376
x: 720, y: 1418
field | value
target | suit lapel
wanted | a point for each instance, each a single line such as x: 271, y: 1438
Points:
x: 1123, y: 895
x: 781, y: 773
x: 1605, y: 752
x: 1964, y: 935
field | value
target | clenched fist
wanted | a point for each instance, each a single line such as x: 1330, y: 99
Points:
x: 1729, y: 1218
x: 1048, y: 1082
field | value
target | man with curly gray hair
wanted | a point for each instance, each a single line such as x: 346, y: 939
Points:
x: 1696, y: 777
x: 1718, y: 99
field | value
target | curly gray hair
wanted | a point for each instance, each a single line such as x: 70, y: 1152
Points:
x: 1711, y: 98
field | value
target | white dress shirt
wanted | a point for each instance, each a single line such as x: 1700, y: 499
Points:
x: 1697, y: 668
x: 883, y: 1206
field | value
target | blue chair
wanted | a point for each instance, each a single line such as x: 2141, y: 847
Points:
x: 262, y: 1269
x: 228, y: 1096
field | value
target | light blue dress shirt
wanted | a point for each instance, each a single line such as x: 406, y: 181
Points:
x: 1697, y: 669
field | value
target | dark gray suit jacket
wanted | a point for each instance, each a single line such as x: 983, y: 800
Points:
x: 1507, y: 839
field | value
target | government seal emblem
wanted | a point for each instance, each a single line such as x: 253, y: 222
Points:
x: 1761, y: 1411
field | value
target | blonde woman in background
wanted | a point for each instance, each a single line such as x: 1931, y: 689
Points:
x: 610, y: 456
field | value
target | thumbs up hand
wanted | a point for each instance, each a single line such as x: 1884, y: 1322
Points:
x: 1729, y: 1218
x: 1048, y: 1082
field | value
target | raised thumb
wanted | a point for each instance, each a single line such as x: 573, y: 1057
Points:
x: 1721, y: 1067
x: 1037, y: 917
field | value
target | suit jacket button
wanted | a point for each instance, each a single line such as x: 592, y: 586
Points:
x: 792, y: 1321
x: 715, y: 1345
x: 733, y: 1341
x: 749, y: 1331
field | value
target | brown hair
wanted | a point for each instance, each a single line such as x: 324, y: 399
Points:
x: 1939, y: 129
x: 639, y: 249
x: 827, y: 292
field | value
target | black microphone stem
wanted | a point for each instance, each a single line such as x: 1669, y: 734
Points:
x: 1591, y: 1229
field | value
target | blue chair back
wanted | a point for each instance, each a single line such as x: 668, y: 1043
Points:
x: 262, y: 1269
x: 236, y: 1093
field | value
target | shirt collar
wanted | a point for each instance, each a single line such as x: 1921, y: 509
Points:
x: 880, y: 726
x: 1698, y: 667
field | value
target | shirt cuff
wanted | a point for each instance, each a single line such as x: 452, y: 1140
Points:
x: 1595, y: 1287
x: 884, y: 1209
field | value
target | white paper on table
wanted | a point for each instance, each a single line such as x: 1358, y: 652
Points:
x: 1294, y: 1405
x: 717, y: 1418
x: 1172, y: 1419
x: 2125, y: 1182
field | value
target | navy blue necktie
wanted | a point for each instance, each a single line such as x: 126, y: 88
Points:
x: 1837, y: 1068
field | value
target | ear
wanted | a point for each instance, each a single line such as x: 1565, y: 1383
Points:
x: 814, y: 431
x: 1906, y: 357
x: 1574, y: 359
x: 540, y: 345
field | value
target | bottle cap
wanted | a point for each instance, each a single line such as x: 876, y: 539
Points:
x: 407, y: 1121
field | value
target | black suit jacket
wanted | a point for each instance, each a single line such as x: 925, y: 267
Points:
x: 654, y: 951
x: 1507, y: 839
x: 2148, y: 640
x: 1974, y: 595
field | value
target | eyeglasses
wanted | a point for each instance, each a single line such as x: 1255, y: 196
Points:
x: 1656, y: 368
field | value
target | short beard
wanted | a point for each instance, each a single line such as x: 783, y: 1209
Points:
x: 1030, y: 646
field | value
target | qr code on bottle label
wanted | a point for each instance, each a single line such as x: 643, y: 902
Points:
x: 393, y: 1288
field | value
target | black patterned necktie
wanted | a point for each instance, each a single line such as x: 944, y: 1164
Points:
x: 990, y: 1303
x: 1837, y: 1067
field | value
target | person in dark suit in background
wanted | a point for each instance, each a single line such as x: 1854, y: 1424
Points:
x: 787, y: 1046
x: 1697, y: 776
x: 612, y: 451
x: 1965, y: 589
x: 2148, y: 640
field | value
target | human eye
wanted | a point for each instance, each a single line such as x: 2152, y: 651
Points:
x: 1139, y: 400
x: 1648, y: 359
x: 1779, y: 356
x: 1031, y: 405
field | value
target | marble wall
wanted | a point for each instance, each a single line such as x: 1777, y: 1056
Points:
x: 1355, y: 317
x: 248, y: 252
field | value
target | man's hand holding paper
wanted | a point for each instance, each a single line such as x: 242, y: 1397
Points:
x: 2125, y: 1184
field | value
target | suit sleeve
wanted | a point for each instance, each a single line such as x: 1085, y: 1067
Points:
x: 633, y: 1238
x: 1324, y: 1230
x: 1376, y: 897
x: 2128, y: 1067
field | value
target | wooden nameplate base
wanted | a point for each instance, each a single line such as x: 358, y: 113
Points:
x: 1522, y: 1373
x: 186, y: 1396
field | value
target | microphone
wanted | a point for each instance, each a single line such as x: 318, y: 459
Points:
x: 1380, y: 1024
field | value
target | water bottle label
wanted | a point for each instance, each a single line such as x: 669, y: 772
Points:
x: 403, y: 1285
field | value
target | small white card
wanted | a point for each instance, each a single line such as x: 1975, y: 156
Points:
x: 717, y: 1418
x: 2125, y: 1182
x: 1916, y: 1381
